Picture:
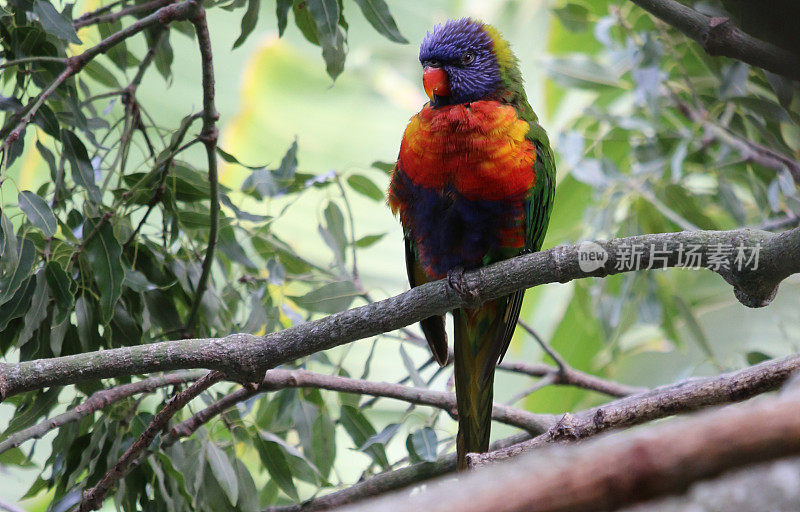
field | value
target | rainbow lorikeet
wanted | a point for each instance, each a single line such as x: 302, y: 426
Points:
x: 473, y: 184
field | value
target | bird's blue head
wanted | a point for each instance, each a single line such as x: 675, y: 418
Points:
x: 464, y: 60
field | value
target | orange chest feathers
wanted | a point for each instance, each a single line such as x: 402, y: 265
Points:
x: 479, y: 149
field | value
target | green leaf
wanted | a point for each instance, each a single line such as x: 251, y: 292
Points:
x: 104, y: 252
x: 248, y: 495
x: 35, y: 407
x: 102, y: 75
x: 323, y: 444
x: 273, y: 455
x: 756, y: 356
x: 360, y: 430
x: 231, y: 247
x: 13, y: 277
x: 82, y: 171
x: 325, y: 14
x: 248, y: 21
x: 411, y: 368
x: 422, y: 445
x: 15, y: 457
x: 378, y: 15
x: 62, y: 289
x: 582, y: 72
x: 38, y: 212
x: 47, y: 121
x: 9, y: 249
x: 223, y: 471
x: 387, y: 167
x: 333, y: 233
x: 365, y: 186
x: 53, y: 22
x: 574, y: 17
x: 328, y: 298
x: 383, y: 437
x: 366, y: 241
x: 19, y: 305
x: 37, y: 311
x: 282, y: 13
x: 233, y: 160
x: 304, y: 21
x: 87, y: 328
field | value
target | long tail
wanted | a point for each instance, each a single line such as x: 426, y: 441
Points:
x: 475, y: 359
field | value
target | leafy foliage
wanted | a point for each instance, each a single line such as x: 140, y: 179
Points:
x: 107, y: 252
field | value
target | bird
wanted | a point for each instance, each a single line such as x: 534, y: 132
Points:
x: 473, y: 184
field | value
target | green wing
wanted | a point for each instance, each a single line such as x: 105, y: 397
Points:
x: 537, y: 217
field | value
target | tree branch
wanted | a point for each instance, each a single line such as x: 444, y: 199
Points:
x: 282, y: 379
x: 98, y: 400
x: 388, y: 481
x: 208, y: 136
x: 245, y: 358
x: 749, y: 150
x: 772, y: 486
x: 718, y: 36
x: 684, y: 396
x: 566, y: 375
x: 93, y: 498
x: 606, y: 473
x: 165, y: 15
x: 101, y: 15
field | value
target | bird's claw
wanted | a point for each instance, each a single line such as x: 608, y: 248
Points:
x: 457, y: 281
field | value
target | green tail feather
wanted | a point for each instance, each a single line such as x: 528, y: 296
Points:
x: 475, y: 357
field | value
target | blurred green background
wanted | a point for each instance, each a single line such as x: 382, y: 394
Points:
x: 628, y: 164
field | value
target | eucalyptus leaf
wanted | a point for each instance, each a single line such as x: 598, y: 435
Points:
x: 54, y: 22
x: 38, y: 212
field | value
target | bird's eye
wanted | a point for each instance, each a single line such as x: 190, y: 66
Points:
x: 432, y: 63
x: 468, y: 58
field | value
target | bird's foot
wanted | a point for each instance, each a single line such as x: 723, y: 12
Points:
x: 457, y: 281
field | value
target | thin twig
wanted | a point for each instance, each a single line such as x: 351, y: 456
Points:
x: 102, y: 16
x: 93, y: 498
x: 98, y: 400
x: 208, y: 135
x: 282, y: 379
x: 36, y: 58
x: 165, y: 15
x: 550, y: 351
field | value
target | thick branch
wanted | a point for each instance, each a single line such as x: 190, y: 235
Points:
x: 603, y: 474
x: 98, y: 400
x: 685, y: 396
x: 245, y: 358
x: 771, y: 486
x: 93, y: 498
x: 718, y: 36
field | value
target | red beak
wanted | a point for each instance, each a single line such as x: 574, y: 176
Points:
x: 435, y: 81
